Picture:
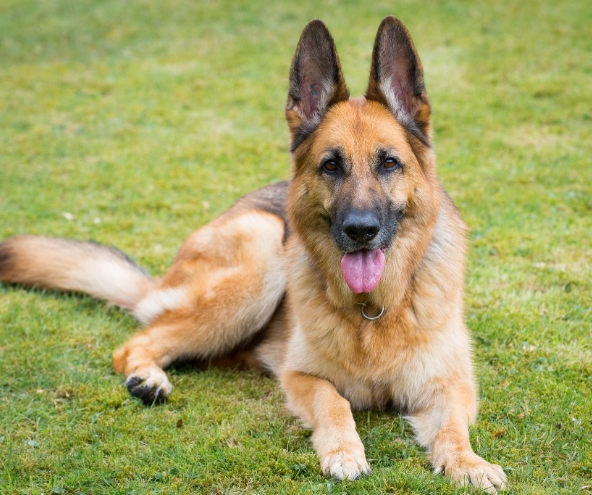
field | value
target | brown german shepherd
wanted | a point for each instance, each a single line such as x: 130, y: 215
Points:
x: 346, y: 283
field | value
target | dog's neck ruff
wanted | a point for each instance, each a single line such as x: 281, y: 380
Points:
x: 371, y: 318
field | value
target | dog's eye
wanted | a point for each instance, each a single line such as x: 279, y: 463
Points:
x: 330, y: 166
x: 391, y: 163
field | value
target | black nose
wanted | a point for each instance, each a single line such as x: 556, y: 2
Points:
x: 361, y: 226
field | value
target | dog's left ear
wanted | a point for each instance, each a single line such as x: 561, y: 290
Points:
x: 316, y: 81
x: 396, y: 78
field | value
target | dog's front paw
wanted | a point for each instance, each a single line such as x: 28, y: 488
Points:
x: 149, y: 384
x: 349, y: 462
x: 472, y: 469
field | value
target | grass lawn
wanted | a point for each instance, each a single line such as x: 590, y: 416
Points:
x: 133, y: 123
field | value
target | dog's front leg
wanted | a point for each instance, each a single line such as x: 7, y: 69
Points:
x: 444, y: 429
x: 335, y: 439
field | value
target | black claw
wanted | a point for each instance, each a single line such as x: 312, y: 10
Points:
x: 133, y: 382
x: 148, y: 395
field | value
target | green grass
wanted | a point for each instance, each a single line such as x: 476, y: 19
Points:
x: 143, y: 120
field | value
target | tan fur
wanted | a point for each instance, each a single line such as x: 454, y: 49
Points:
x: 218, y: 270
x: 73, y: 266
x: 256, y: 288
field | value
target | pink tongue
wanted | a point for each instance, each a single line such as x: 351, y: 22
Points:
x: 362, y: 269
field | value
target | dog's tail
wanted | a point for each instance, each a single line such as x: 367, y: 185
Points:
x: 101, y: 271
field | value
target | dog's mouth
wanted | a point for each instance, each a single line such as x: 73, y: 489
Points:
x: 362, y: 269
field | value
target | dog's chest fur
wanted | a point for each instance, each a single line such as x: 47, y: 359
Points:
x: 396, y: 359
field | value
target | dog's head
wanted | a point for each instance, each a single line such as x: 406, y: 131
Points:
x: 363, y: 171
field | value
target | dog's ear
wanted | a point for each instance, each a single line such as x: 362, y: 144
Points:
x: 316, y: 81
x: 396, y: 78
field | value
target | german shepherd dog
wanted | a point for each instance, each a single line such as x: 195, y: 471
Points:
x: 346, y: 282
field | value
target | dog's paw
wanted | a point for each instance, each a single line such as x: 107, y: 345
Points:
x: 345, y: 463
x: 471, y: 469
x: 151, y: 385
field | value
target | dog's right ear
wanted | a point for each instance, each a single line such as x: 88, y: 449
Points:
x: 316, y: 82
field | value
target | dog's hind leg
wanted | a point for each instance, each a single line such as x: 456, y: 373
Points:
x: 224, y: 287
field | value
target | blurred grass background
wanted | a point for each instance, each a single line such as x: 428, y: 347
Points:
x: 133, y: 123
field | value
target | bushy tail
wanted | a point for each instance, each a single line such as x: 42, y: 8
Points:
x: 101, y: 271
